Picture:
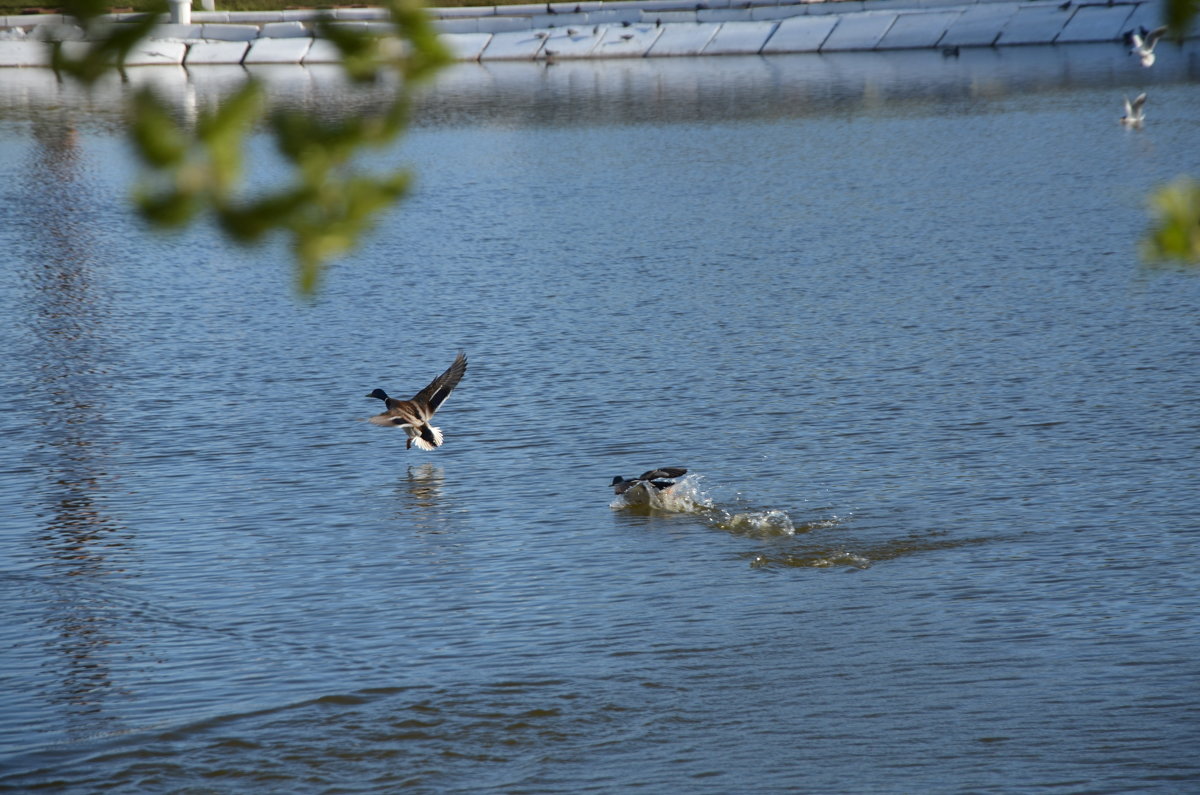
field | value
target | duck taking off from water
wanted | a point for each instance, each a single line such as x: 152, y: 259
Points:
x: 414, y: 415
x: 1134, y: 115
x: 658, y: 478
x: 1141, y: 43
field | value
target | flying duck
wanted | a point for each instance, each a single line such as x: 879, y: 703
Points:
x: 414, y: 415
x: 658, y: 478
x: 1141, y: 43
x: 1134, y: 115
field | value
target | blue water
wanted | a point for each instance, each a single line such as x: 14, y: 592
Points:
x: 941, y: 425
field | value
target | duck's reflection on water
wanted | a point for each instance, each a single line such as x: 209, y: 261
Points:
x: 422, y: 503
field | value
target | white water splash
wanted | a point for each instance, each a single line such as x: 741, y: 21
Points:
x: 774, y: 522
x: 686, y: 496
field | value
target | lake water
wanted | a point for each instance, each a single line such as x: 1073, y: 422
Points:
x: 941, y: 528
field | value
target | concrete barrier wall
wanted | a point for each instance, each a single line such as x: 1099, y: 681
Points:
x: 637, y: 28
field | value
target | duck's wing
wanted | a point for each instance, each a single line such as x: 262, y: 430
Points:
x: 440, y: 388
x: 665, y: 472
x: 389, y: 420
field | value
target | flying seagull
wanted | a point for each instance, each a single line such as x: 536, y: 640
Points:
x: 658, y: 478
x: 414, y: 415
x: 1141, y: 43
x: 1134, y: 116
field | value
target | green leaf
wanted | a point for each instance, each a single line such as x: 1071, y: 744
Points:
x: 1178, y: 15
x: 107, y: 42
x: 159, y: 141
x: 1175, y: 234
x: 199, y: 168
x: 172, y: 208
x: 251, y: 221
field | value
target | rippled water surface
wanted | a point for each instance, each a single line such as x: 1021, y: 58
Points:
x: 940, y: 528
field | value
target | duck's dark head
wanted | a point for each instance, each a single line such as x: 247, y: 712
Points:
x: 378, y: 393
x: 618, y: 479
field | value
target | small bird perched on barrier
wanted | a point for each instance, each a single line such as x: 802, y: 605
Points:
x: 658, y: 478
x: 414, y: 415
